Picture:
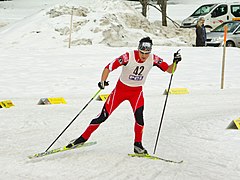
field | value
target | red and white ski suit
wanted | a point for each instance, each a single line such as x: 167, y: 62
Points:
x: 129, y: 87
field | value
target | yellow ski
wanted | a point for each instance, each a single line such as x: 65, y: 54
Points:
x: 148, y: 156
x: 62, y: 149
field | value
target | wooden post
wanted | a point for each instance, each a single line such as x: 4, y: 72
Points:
x: 224, y: 55
x: 70, y: 34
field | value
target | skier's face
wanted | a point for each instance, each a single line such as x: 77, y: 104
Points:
x: 144, y: 55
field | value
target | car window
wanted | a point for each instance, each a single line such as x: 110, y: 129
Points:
x: 235, y: 10
x: 220, y: 10
x: 238, y: 31
x: 202, y: 10
x: 231, y: 27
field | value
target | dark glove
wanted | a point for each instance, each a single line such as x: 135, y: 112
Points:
x: 102, y: 84
x: 177, y: 57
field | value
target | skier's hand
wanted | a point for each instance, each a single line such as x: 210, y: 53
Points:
x: 177, y: 57
x: 102, y: 84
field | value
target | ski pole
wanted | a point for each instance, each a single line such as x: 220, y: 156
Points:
x: 74, y: 118
x: 164, y: 107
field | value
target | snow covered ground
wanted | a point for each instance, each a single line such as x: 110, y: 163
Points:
x: 36, y: 63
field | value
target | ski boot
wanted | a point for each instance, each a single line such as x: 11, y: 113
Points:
x: 75, y: 142
x: 139, y: 149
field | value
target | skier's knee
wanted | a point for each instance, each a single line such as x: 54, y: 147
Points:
x: 101, y: 118
x: 139, y: 116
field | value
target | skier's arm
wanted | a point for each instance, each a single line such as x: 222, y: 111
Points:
x: 170, y: 68
x: 105, y: 74
x: 104, y: 77
x: 176, y: 59
x: 122, y: 60
x: 164, y: 66
x: 160, y: 63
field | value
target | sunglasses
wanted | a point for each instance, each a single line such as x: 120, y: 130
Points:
x: 142, y: 52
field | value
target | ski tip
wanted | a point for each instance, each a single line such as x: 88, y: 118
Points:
x: 152, y: 157
x: 61, y: 149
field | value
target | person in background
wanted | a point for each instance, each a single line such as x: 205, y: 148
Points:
x: 135, y: 65
x: 200, y: 33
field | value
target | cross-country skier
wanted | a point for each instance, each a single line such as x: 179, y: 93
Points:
x: 135, y: 68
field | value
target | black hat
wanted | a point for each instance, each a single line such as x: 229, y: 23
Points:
x: 145, y: 44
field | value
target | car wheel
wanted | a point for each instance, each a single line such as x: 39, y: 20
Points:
x: 230, y: 44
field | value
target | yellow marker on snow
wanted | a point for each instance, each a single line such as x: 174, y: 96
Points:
x: 53, y: 100
x: 6, y: 104
x: 176, y: 91
x: 102, y: 97
x: 235, y: 124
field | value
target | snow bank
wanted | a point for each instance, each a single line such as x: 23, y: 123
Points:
x: 198, y: 1
x: 119, y: 24
x: 113, y: 23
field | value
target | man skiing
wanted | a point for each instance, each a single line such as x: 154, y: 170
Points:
x: 135, y: 68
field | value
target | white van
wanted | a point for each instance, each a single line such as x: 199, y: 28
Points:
x: 214, y: 14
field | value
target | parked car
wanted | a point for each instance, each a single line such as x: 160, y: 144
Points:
x: 215, y: 37
x: 214, y: 14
